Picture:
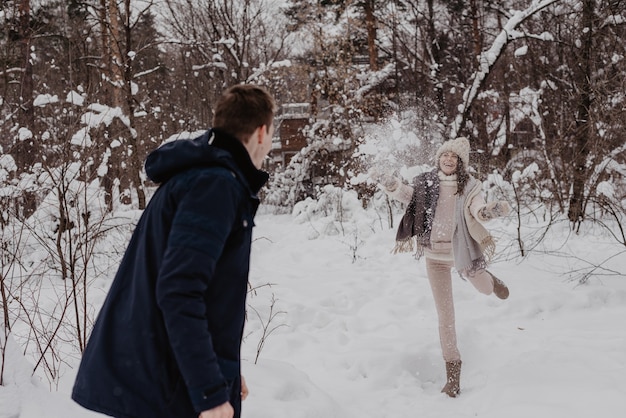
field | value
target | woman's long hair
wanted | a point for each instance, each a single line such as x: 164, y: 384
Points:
x: 462, y: 177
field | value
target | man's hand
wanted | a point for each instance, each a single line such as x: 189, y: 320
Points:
x: 224, y: 410
x: 244, y: 389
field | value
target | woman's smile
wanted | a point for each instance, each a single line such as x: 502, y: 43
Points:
x: 448, y: 162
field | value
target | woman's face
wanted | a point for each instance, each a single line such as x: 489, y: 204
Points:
x: 448, y: 161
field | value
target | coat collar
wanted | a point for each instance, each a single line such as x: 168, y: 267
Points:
x: 256, y: 178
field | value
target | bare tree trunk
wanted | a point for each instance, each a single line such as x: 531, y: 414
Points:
x: 435, y: 57
x: 117, y: 58
x: 26, y: 150
x: 107, y: 62
x: 117, y: 44
x: 6, y: 324
x: 133, y: 142
x: 478, y: 43
x: 27, y: 116
x: 506, y: 111
x: 370, y: 23
x: 136, y: 164
x: 583, y: 125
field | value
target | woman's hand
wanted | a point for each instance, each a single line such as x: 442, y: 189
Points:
x: 375, y: 174
x: 494, y: 210
x: 388, y: 181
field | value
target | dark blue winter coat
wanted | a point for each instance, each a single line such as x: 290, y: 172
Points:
x: 167, y: 340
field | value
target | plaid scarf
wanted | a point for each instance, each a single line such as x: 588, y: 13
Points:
x: 415, y: 226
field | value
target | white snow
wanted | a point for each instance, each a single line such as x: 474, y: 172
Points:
x: 355, y: 329
x: 44, y: 99
x: 82, y: 138
x: 97, y: 115
x: 24, y: 134
x: 102, y: 114
x: 7, y: 162
x: 283, y: 63
x: 521, y: 51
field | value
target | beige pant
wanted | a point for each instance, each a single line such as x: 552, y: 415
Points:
x: 440, y: 278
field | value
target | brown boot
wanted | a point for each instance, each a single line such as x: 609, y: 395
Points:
x: 499, y: 288
x: 453, y: 382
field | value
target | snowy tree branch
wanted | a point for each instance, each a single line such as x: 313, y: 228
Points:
x: 488, y: 59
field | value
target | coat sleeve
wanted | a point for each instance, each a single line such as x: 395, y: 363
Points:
x: 201, y: 226
x: 483, y: 211
x: 476, y: 203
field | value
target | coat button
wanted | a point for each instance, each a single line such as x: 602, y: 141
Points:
x: 245, y: 223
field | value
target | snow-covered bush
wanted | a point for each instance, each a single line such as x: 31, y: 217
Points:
x: 336, y: 212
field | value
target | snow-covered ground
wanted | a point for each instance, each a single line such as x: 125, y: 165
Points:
x: 353, y: 330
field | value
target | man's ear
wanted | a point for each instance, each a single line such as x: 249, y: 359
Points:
x: 262, y: 131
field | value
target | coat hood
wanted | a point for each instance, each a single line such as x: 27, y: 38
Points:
x: 211, y: 148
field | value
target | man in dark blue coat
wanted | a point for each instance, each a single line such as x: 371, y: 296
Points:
x: 167, y: 340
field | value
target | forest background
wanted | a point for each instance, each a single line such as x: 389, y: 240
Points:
x: 88, y: 88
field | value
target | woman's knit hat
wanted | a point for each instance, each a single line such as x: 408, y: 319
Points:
x: 460, y: 146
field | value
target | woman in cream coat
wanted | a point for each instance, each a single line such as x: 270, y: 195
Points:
x: 444, y: 223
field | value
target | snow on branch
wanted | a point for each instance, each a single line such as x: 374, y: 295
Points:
x: 215, y: 64
x: 374, y: 79
x: 264, y: 67
x: 613, y: 20
x: 147, y: 72
x: 96, y: 116
x: 610, y: 162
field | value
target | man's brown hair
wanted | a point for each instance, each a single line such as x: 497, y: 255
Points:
x: 243, y: 108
